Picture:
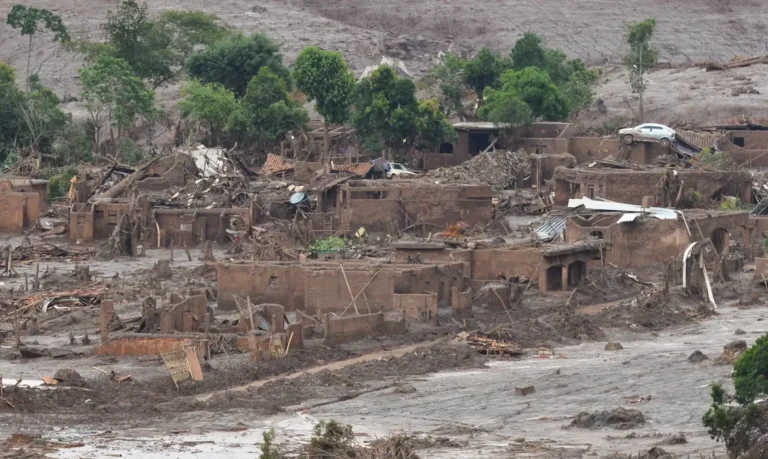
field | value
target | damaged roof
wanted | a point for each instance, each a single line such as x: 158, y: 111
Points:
x: 630, y: 211
x: 275, y: 164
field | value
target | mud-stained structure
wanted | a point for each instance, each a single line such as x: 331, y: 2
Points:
x: 629, y: 186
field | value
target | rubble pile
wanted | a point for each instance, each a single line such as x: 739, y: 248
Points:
x: 501, y: 169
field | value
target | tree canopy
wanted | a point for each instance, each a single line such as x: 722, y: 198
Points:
x: 114, y: 96
x: 155, y: 48
x: 325, y: 78
x: 234, y: 62
x: 211, y: 104
x: 266, y: 112
x: 387, y: 114
x: 532, y: 87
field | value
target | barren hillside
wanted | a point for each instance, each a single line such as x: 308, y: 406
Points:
x: 364, y: 30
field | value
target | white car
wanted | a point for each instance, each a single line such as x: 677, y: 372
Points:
x: 397, y: 170
x: 648, y: 132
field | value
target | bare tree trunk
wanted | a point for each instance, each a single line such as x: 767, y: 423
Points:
x: 29, y: 57
x: 642, y: 114
x: 326, y: 141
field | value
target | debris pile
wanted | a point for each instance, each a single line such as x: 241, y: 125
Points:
x: 501, y: 169
x: 619, y: 418
x: 490, y: 346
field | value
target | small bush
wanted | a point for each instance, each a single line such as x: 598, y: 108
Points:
x: 58, y: 185
x: 715, y: 159
x: 329, y: 244
x: 268, y: 450
x: 130, y: 153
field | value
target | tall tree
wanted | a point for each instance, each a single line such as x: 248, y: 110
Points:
x: 449, y: 75
x: 156, y: 48
x: 325, y: 78
x: 387, y: 115
x: 32, y: 20
x: 266, y: 113
x: 12, y: 128
x: 114, y: 97
x: 235, y: 61
x: 529, y: 51
x: 211, y: 104
x: 42, y: 116
x: 483, y: 71
x: 642, y: 56
x: 534, y: 88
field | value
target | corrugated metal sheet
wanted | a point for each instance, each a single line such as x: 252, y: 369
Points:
x: 275, y: 164
x: 630, y: 211
x: 555, y: 225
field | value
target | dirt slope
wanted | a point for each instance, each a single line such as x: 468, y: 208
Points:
x: 364, y: 30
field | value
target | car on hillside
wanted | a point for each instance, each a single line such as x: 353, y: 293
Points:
x: 648, y: 132
x: 397, y: 170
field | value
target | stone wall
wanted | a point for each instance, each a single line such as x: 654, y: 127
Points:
x: 19, y: 211
x: 420, y: 307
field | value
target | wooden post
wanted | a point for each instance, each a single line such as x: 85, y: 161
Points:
x: 105, y: 317
x: 36, y: 284
x: 189, y: 257
x: 171, y: 250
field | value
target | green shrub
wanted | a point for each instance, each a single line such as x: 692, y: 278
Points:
x: 268, y: 450
x: 58, y: 185
x: 715, y: 159
x: 329, y: 244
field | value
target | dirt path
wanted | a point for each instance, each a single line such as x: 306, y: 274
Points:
x: 398, y: 352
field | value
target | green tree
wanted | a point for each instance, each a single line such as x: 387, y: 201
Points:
x: 43, y: 118
x: 267, y: 113
x: 750, y: 372
x: 434, y: 129
x: 529, y: 51
x: 449, y: 75
x: 234, y: 62
x: 531, y: 86
x: 325, y: 78
x: 386, y: 110
x: 32, y: 20
x: 210, y: 104
x: 156, y: 49
x: 484, y: 71
x: 574, y: 79
x: 12, y: 127
x: 388, y: 116
x: 642, y: 56
x: 114, y: 97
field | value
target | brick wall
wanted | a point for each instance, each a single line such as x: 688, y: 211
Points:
x: 429, y: 278
x: 489, y: 263
x: 421, y: 307
x: 194, y: 226
x: 264, y: 283
x: 343, y: 330
x: 327, y: 291
x: 461, y: 303
x: 138, y: 345
x: 19, y: 211
x: 437, y: 160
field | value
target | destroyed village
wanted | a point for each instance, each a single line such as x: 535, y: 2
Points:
x: 360, y: 229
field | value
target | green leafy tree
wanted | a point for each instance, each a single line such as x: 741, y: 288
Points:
x: 32, y: 20
x: 12, y: 127
x: 642, y: 56
x: 434, y: 127
x: 234, y: 62
x: 268, y: 450
x: 750, y: 372
x: 210, y: 104
x: 575, y: 81
x: 325, y: 78
x: 42, y: 116
x: 531, y: 86
x: 388, y: 116
x: 529, y: 51
x: 114, y: 97
x: 156, y: 49
x: 267, y: 113
x: 484, y: 71
x: 449, y: 75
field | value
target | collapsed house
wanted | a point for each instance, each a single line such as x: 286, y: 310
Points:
x: 21, y: 201
x: 632, y: 185
x: 392, y: 206
x: 638, y: 237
